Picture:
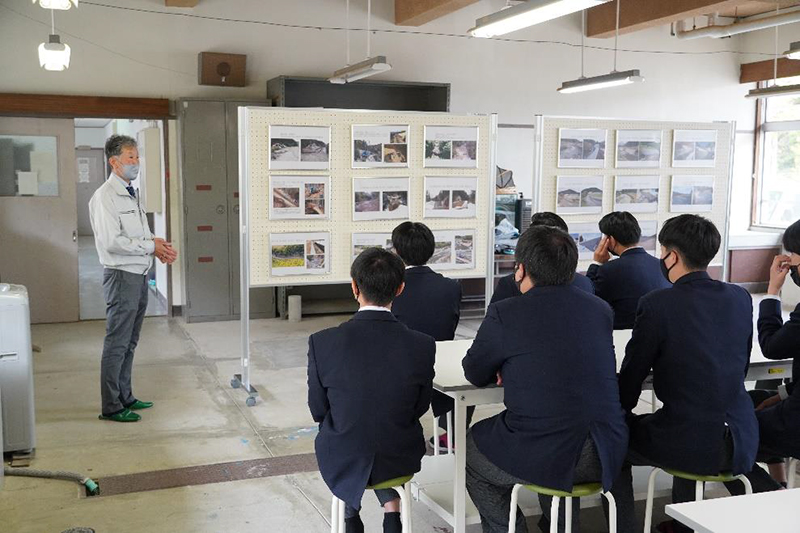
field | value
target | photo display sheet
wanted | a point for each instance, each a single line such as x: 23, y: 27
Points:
x: 692, y: 194
x: 453, y: 250
x: 636, y: 194
x: 381, y: 198
x: 365, y: 241
x: 299, y: 147
x: 587, y: 236
x: 299, y: 197
x: 638, y: 148
x: 694, y: 149
x: 380, y: 146
x: 451, y: 197
x: 294, y: 254
x: 579, y: 195
x: 581, y: 148
x: 451, y: 147
x: 649, y: 239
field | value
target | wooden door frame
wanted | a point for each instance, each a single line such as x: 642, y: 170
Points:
x: 85, y: 106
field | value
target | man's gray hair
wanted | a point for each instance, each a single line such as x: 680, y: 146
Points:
x: 116, y: 143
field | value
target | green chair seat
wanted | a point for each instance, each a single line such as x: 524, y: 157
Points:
x: 391, y: 483
x: 578, y: 491
x: 722, y: 477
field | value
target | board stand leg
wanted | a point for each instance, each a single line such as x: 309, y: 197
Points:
x: 252, y: 394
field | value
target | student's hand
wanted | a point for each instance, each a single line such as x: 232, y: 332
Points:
x: 769, y: 402
x: 777, y: 273
x: 499, y: 379
x: 601, y: 254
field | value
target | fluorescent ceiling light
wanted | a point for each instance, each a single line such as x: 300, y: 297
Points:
x: 794, y: 51
x: 775, y: 90
x: 53, y: 55
x: 57, y: 4
x: 364, y: 69
x: 526, y: 14
x: 612, y: 79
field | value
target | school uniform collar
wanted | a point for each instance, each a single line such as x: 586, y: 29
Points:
x: 418, y: 269
x: 374, y: 313
x: 700, y: 275
x: 633, y: 251
x: 549, y: 289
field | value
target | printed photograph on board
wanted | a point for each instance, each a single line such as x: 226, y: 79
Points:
x: 451, y: 197
x: 649, y: 239
x: 638, y: 148
x: 382, y: 146
x: 581, y: 148
x: 453, y: 250
x: 299, y: 147
x: 295, y: 254
x: 579, y: 194
x: 636, y: 194
x: 298, y: 197
x: 380, y: 198
x: 451, y: 147
x: 694, y: 149
x: 692, y: 194
x: 587, y: 236
x: 365, y: 241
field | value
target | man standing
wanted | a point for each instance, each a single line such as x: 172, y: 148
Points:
x: 125, y: 246
x: 635, y: 273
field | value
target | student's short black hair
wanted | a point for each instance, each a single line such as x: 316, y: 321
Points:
x: 549, y: 254
x: 695, y: 238
x: 378, y: 275
x: 413, y: 242
x: 791, y: 238
x: 622, y: 226
x: 546, y: 218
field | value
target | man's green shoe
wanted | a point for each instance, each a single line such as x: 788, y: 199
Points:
x: 139, y: 404
x: 123, y: 416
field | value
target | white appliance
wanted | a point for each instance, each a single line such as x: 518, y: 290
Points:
x: 16, y: 370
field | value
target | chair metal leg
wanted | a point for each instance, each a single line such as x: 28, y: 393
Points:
x: 567, y: 516
x: 435, y: 436
x: 698, y: 490
x: 405, y: 507
x: 554, y: 514
x: 407, y: 490
x: 792, y: 473
x: 341, y: 516
x: 450, y: 433
x: 748, y: 487
x: 612, y: 512
x: 648, y: 509
x: 334, y: 514
x: 512, y: 510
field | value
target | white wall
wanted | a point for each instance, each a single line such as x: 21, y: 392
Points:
x: 156, y: 56
x: 91, y: 137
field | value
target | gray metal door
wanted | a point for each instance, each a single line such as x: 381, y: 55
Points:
x: 262, y: 301
x: 204, y: 171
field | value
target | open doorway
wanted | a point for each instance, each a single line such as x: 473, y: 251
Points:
x: 93, y: 170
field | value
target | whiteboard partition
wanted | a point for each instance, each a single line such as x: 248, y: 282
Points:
x: 547, y: 172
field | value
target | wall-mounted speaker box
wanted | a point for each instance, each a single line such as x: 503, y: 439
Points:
x: 226, y: 70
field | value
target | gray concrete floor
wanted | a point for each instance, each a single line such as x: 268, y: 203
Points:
x: 197, y: 420
x: 92, y: 304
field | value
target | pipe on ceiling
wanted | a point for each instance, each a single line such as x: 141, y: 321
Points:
x: 717, y: 32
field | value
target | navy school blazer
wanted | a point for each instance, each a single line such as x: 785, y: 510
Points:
x: 696, y: 338
x: 369, y: 381
x: 623, y: 281
x: 780, y: 424
x: 559, y: 375
x: 431, y: 304
x: 507, y: 287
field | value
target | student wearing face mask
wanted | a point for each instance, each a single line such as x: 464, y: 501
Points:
x: 126, y: 248
x: 696, y: 338
x: 779, y: 414
x: 623, y: 281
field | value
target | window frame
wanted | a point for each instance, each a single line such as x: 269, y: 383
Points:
x: 762, y: 128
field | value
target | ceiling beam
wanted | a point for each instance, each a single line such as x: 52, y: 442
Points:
x: 636, y: 15
x: 419, y: 12
x: 68, y: 106
x: 765, y: 70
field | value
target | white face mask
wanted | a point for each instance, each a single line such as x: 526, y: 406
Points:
x: 130, y: 172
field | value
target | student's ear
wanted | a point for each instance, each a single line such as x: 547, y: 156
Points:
x: 612, y: 243
x: 354, y: 288
x: 519, y: 273
x: 400, y: 290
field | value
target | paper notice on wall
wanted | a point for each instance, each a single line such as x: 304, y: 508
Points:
x: 83, y: 170
x: 27, y: 183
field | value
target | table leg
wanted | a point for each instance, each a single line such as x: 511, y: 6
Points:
x: 459, y: 477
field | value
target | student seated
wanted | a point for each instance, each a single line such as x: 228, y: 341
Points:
x: 430, y: 303
x: 696, y: 339
x: 507, y: 287
x: 779, y: 414
x: 369, y: 382
x: 563, y: 424
x: 623, y: 281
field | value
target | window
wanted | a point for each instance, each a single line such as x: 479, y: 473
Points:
x: 778, y: 186
x: 28, y: 165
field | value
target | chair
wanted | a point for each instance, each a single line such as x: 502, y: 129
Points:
x: 578, y: 491
x: 700, y: 482
x: 792, y: 472
x: 401, y: 485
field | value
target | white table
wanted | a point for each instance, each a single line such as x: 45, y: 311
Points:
x: 441, y: 484
x: 775, y: 512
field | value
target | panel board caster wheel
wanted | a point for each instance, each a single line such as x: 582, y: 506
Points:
x: 235, y: 383
x: 251, y: 402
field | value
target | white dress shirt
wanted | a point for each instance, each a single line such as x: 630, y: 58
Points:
x: 121, y: 233
x: 374, y: 308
